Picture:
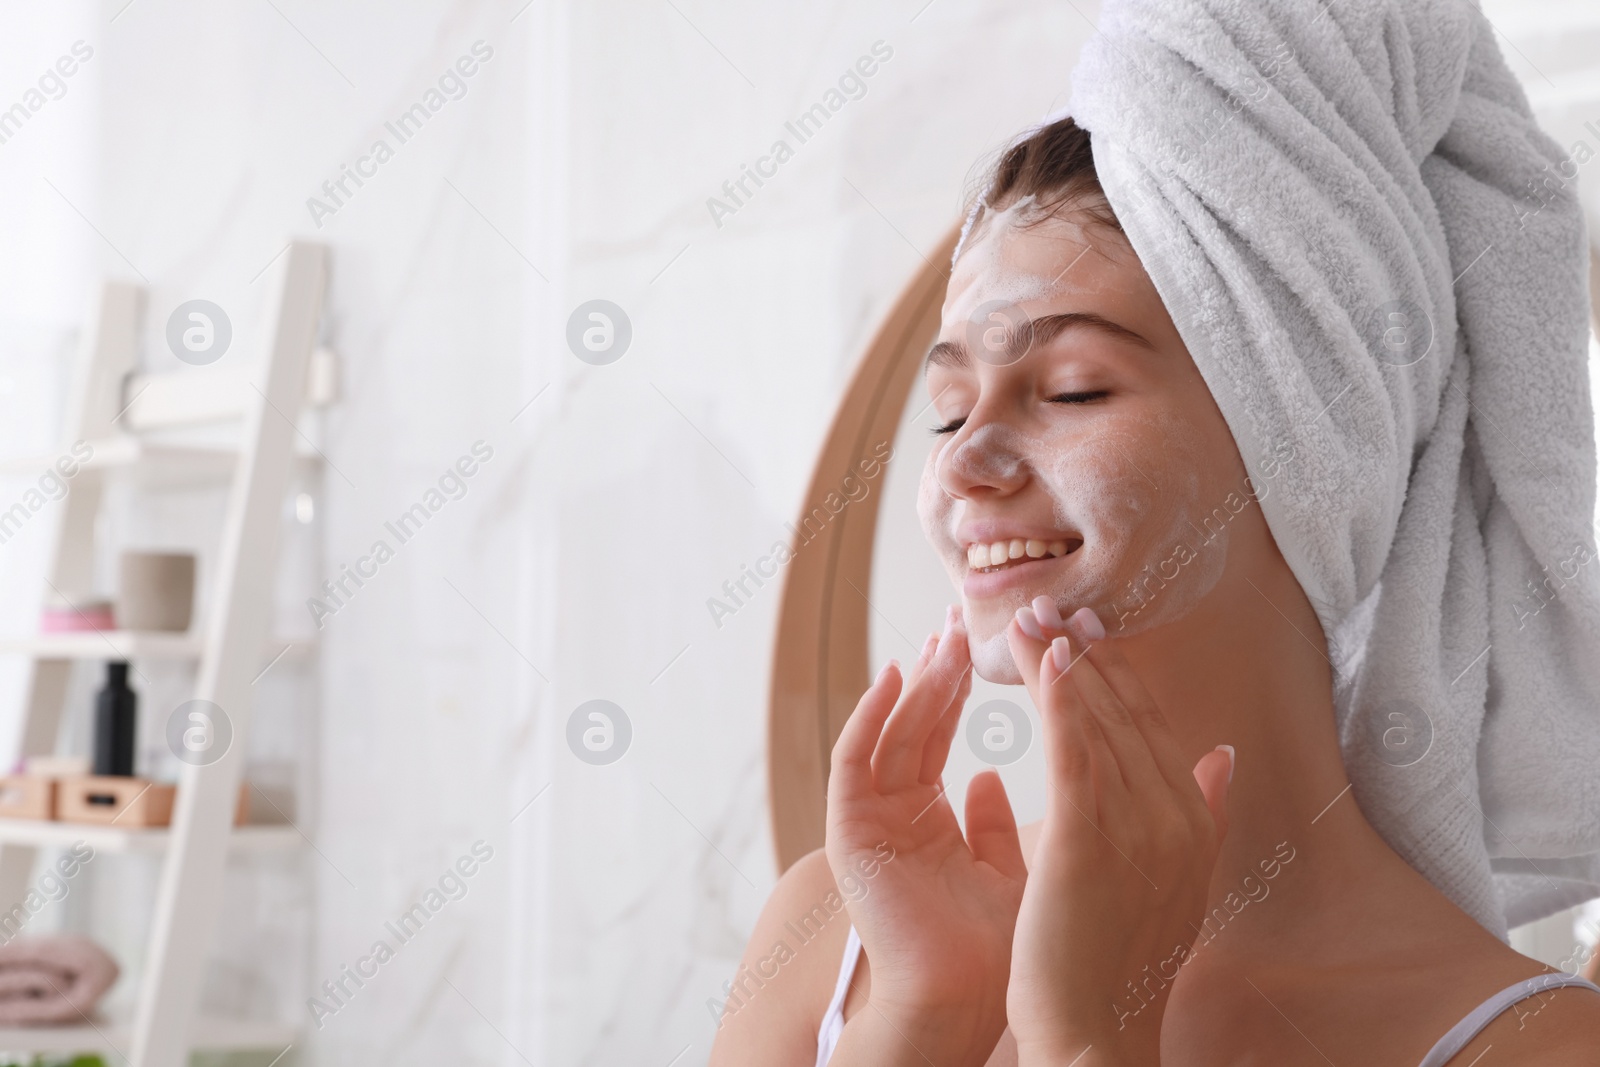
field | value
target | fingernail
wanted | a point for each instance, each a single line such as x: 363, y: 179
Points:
x: 1029, y: 624
x: 949, y: 618
x: 1061, y: 653
x: 1088, y: 624
x: 928, y: 648
x: 1229, y: 750
x: 884, y: 671
x: 1048, y: 614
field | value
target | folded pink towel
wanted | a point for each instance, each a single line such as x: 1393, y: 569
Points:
x: 46, y: 980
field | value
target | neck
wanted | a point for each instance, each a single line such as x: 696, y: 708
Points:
x: 1249, y: 668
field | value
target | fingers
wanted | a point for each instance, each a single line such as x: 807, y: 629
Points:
x: 1070, y: 751
x: 1028, y: 635
x: 952, y: 639
x: 1027, y: 644
x: 921, y: 665
x: 936, y: 751
x: 1214, y: 775
x: 1147, y: 753
x: 898, y: 761
x: 850, y: 771
x: 937, y: 747
x: 992, y: 826
x: 1118, y: 674
x: 1047, y: 613
x: 1126, y: 741
x: 1095, y: 710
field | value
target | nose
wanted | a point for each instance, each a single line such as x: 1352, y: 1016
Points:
x: 982, y: 459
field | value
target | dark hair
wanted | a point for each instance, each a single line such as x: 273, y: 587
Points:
x: 1055, y: 166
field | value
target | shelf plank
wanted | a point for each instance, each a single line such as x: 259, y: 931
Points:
x: 127, y: 450
x: 125, y: 644
x: 221, y: 1035
x: 105, y: 644
x: 248, y: 839
x: 153, y: 464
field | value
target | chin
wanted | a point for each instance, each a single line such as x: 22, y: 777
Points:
x: 991, y: 658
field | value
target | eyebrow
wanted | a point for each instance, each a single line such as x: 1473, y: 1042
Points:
x: 1042, y: 331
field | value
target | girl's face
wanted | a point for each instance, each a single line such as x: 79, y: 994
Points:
x: 1082, y: 456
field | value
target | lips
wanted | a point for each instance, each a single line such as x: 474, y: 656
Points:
x: 987, y: 557
x: 1003, y: 567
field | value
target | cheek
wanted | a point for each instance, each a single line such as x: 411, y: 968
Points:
x: 1122, y: 487
x: 934, y: 505
x: 1135, y: 494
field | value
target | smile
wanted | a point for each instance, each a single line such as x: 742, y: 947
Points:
x: 1000, y: 555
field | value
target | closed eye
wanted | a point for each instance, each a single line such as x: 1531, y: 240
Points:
x: 1080, y: 398
x: 1060, y: 398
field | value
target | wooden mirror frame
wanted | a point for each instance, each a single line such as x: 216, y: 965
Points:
x: 819, y: 663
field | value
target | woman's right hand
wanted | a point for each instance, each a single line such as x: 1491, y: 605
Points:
x: 939, y: 909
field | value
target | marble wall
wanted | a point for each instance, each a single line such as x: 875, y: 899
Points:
x: 589, y: 155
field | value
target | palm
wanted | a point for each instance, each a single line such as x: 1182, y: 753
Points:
x: 936, y: 917
x: 934, y: 914
x: 1123, y: 861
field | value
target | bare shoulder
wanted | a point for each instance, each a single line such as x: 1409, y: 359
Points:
x: 774, y: 1001
x: 1556, y: 1026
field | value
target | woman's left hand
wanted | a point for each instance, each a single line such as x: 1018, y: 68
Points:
x: 1118, y: 881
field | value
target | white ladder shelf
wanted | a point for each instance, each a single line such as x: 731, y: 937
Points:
x: 108, y: 399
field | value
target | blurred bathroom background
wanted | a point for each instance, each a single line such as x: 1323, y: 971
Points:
x: 597, y: 151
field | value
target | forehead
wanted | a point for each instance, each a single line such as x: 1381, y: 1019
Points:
x: 1033, y: 263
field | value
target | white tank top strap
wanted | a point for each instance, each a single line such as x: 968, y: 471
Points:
x: 833, y: 1018
x: 1467, y: 1029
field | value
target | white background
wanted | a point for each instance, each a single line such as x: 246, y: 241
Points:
x: 577, y: 166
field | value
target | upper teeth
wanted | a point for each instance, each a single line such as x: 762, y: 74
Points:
x: 992, y: 555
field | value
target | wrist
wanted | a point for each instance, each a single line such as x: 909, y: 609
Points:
x: 1091, y: 1056
x: 891, y: 1036
x: 1086, y: 1054
x: 1054, y: 1038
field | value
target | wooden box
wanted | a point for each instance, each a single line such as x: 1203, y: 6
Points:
x: 27, y: 796
x: 125, y: 802
x: 131, y: 803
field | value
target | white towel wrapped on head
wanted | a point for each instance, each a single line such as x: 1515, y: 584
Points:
x: 1378, y: 263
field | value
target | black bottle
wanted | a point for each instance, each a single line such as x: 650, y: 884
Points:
x: 116, y: 710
